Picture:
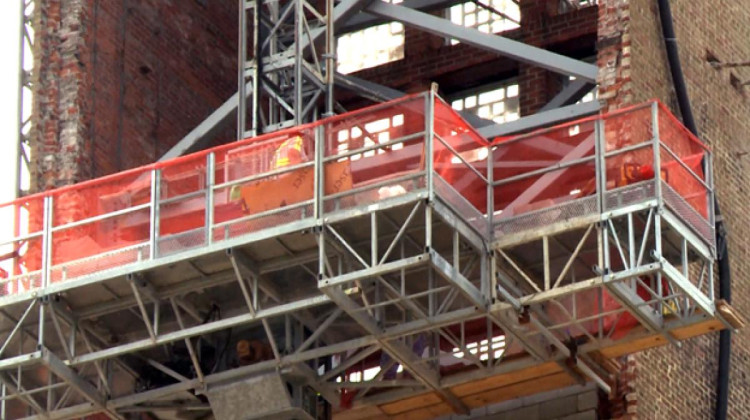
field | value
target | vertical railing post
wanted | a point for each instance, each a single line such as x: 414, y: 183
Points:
x: 241, y: 73
x: 47, y: 240
x: 711, y: 196
x: 153, y: 239
x: 659, y: 199
x: 600, y: 148
x: 429, y: 129
x: 600, y: 164
x: 429, y: 142
x: 486, y: 271
x: 320, y: 134
x: 210, y: 181
x: 657, y: 153
x: 490, y: 194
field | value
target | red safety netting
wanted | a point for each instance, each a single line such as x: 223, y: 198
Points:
x: 374, y: 153
x: 460, y: 155
x: 277, y: 182
x: 550, y: 167
x: 105, y: 223
x: 682, y: 161
x: 369, y: 155
x: 21, y: 260
x: 525, y: 166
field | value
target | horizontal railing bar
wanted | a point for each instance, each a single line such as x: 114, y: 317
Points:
x: 103, y: 255
x: 198, y: 193
x: 557, y: 166
x: 356, y: 190
x: 271, y: 212
x: 647, y: 143
x: 375, y: 146
x: 677, y: 158
x: 24, y: 237
x: 251, y: 178
x: 101, y: 217
x: 19, y: 277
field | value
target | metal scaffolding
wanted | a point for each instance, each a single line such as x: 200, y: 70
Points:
x: 350, y: 280
x: 404, y: 255
x: 25, y: 95
x: 289, y: 76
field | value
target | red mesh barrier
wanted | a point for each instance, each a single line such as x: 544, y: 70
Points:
x: 271, y: 182
x: 460, y: 155
x: 682, y: 157
x: 78, y: 233
x: 541, y: 191
x: 370, y: 154
x: 182, y: 205
x: 21, y: 258
x: 525, y: 167
x: 628, y: 127
x: 374, y: 151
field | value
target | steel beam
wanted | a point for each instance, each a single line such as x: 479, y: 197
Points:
x: 688, y: 288
x: 396, y: 349
x: 541, y: 119
x: 363, y: 19
x: 202, y: 329
x: 381, y: 93
x: 201, y: 134
x: 79, y: 384
x: 453, y: 276
x: 513, y: 49
x: 570, y: 94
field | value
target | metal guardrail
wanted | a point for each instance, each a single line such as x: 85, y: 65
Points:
x: 420, y: 138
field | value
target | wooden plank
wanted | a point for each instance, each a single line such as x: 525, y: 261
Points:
x: 411, y: 403
x: 369, y: 412
x: 425, y: 413
x: 656, y: 340
x: 698, y: 329
x: 733, y: 317
x: 521, y: 389
x: 505, y: 379
x: 633, y: 346
x: 541, y: 378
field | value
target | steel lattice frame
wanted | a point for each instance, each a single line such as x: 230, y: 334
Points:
x: 25, y: 94
x: 289, y: 76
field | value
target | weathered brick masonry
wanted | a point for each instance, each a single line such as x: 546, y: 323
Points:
x: 671, y: 383
x: 120, y: 81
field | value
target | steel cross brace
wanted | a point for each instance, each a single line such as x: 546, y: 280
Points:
x: 59, y: 368
x: 244, y: 266
x: 504, y: 46
x: 397, y: 350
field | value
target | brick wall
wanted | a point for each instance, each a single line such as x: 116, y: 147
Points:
x: 121, y: 81
x: 668, y: 382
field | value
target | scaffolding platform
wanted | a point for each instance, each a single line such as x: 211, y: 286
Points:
x: 404, y: 267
